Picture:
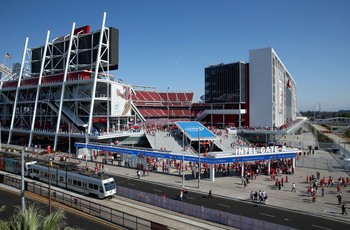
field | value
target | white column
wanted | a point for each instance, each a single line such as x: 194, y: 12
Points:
x: 58, y: 123
x: 195, y: 170
x: 294, y: 164
x: 169, y: 166
x: 212, y: 172
x: 43, y: 62
x: 269, y: 167
x: 98, y: 61
x: 242, y: 169
x: 17, y: 92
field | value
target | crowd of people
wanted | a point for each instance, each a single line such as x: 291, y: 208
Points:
x: 260, y: 196
x: 316, y: 182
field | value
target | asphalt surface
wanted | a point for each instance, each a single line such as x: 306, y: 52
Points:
x: 252, y: 209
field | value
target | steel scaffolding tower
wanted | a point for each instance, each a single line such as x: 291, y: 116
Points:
x: 67, y: 90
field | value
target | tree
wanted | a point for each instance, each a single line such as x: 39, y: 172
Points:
x: 3, y: 224
x: 33, y: 218
x: 347, y: 133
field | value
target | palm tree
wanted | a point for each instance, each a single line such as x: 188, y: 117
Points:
x: 3, y: 224
x: 33, y: 218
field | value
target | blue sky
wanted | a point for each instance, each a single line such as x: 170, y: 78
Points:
x: 168, y: 43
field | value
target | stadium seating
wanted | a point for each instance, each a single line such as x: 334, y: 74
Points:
x: 169, y: 105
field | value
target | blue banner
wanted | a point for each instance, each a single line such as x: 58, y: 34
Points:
x: 192, y: 158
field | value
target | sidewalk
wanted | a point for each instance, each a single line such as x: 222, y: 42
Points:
x: 231, y: 186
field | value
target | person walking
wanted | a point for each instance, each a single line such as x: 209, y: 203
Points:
x: 138, y: 174
x: 314, y: 197
x: 209, y: 194
x: 293, y: 187
x: 185, y: 193
x: 343, y: 209
x: 251, y: 195
x: 339, y: 199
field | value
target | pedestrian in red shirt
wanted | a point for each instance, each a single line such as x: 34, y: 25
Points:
x: 339, y: 188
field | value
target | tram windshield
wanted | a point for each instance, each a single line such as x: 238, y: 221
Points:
x: 110, y: 186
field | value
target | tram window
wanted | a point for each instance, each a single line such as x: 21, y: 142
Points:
x: 101, y: 189
x: 45, y: 174
x: 84, y: 185
x: 79, y: 183
x: 91, y: 186
x: 95, y: 187
x: 69, y: 181
x: 61, y: 178
x: 74, y: 182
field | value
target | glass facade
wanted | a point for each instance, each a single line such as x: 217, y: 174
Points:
x: 226, y: 83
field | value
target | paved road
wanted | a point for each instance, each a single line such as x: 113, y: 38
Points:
x: 255, y: 210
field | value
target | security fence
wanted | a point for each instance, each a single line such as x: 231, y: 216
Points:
x: 339, y: 161
x: 318, y: 163
x: 212, y: 215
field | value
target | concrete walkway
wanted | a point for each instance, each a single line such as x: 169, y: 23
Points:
x: 231, y: 186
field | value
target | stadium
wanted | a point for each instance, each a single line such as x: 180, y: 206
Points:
x: 64, y: 92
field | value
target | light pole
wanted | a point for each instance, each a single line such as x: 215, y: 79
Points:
x: 0, y: 135
x: 266, y: 128
x: 86, y: 141
x: 155, y: 137
x: 50, y: 165
x: 22, y: 181
x: 345, y: 152
x: 69, y: 148
x: 168, y: 116
x: 199, y: 160
x: 183, y: 158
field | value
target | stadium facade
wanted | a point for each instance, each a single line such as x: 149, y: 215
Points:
x: 260, y: 94
x: 64, y: 90
x: 226, y: 94
x: 272, y: 90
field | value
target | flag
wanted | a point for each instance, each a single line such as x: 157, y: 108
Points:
x: 8, y: 55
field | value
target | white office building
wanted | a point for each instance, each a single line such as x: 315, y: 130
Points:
x: 272, y: 90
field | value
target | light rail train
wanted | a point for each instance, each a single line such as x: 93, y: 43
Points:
x: 87, y: 183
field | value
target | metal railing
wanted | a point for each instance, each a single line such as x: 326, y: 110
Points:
x: 85, y: 205
x: 338, y: 162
